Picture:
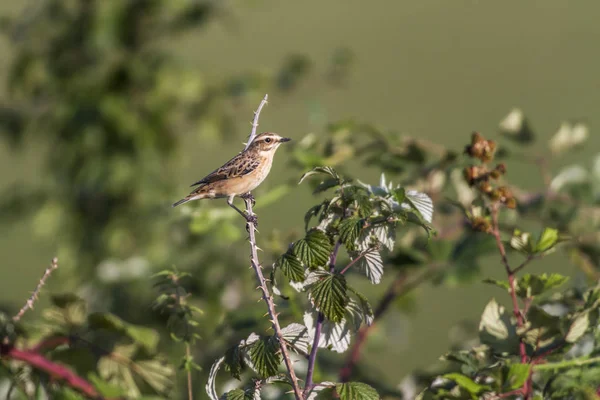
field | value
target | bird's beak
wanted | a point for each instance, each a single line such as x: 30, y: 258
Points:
x: 284, y: 139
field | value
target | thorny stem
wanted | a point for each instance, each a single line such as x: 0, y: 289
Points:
x: 312, y: 358
x: 57, y: 371
x: 266, y: 295
x: 398, y: 288
x: 255, y: 120
x: 34, y: 296
x: 526, y: 390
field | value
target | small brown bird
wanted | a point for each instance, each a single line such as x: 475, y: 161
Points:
x: 240, y: 175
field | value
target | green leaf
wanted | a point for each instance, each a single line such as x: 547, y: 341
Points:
x: 534, y: 285
x: 326, y: 185
x: 234, y: 361
x: 356, y: 391
x: 329, y: 295
x: 291, y: 267
x: 312, y: 212
x: 421, y: 204
x: 467, y: 383
x: 500, y: 284
x: 547, y: 240
x: 106, y: 389
x: 238, y: 394
x: 321, y: 170
x: 350, y: 230
x: 147, y: 337
x: 265, y: 356
x: 314, y: 250
x: 517, y: 375
x: 578, y: 328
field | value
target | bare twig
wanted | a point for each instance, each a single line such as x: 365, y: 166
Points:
x: 34, y: 296
x: 266, y: 295
x: 312, y: 358
x: 255, y: 121
x: 351, y: 263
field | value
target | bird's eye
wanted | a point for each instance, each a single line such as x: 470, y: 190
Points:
x: 268, y: 140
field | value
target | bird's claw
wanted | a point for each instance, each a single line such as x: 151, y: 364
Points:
x: 252, y: 219
x: 248, y: 196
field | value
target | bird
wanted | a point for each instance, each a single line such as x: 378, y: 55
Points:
x: 240, y: 175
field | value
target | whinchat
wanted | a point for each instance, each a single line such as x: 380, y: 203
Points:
x: 240, y: 175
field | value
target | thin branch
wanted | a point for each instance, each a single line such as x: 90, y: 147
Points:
x: 312, y: 358
x: 188, y: 355
x: 361, y: 255
x: 255, y: 121
x: 53, y: 369
x: 34, y: 296
x: 511, y: 278
x: 266, y: 295
x: 575, y: 362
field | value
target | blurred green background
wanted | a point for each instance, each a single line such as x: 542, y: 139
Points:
x: 432, y: 69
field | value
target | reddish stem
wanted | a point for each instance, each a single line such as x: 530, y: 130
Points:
x: 53, y: 369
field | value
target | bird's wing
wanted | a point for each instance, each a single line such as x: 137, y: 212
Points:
x: 239, y: 165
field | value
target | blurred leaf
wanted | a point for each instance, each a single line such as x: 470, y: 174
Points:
x: 238, y: 394
x: 571, y: 175
x: 547, y: 240
x: 500, y: 284
x: 321, y: 170
x: 578, y: 328
x: 329, y: 296
x: 421, y: 203
x: 496, y: 329
x: 516, y: 127
x: 467, y: 383
x: 517, y: 375
x: 314, y: 249
x: 147, y: 337
x: 534, y: 285
x: 568, y: 136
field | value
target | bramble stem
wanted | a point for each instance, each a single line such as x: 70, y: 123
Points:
x: 312, y: 358
x: 266, y: 295
x: 34, y: 296
x: 255, y: 121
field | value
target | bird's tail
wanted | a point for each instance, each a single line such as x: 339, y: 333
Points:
x: 182, y: 201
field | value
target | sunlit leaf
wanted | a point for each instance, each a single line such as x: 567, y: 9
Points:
x: 569, y: 136
x: 265, y: 356
x: 350, y: 230
x: 291, y: 267
x: 356, y: 391
x: 296, y: 337
x: 371, y: 264
x: 497, y: 330
x: 314, y: 249
x: 578, y: 328
x: 329, y: 296
x: 321, y: 170
x: 547, y: 240
x: 212, y: 379
x: 533, y: 285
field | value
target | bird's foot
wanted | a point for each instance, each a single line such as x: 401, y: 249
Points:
x: 248, y: 196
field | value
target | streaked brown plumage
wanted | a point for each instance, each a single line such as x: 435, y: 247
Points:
x: 240, y: 175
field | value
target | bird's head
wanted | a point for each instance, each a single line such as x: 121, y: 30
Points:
x: 267, y: 142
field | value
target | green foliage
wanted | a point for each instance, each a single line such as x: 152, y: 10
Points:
x: 330, y: 296
x: 314, y: 249
x: 349, y: 391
